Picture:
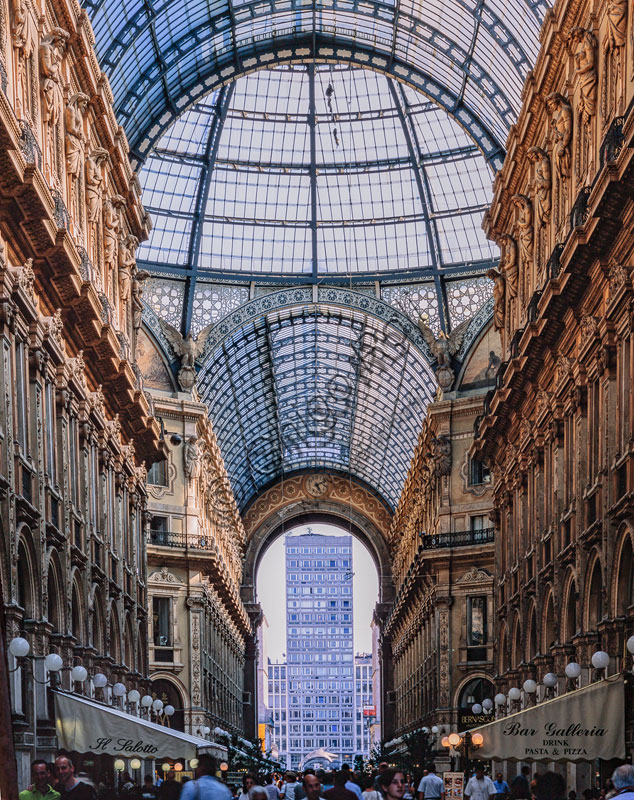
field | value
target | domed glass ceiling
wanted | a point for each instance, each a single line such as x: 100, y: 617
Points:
x: 316, y: 172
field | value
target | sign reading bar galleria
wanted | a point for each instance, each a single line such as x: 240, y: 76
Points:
x: 582, y: 725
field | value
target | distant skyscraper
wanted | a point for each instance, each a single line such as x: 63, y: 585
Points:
x: 319, y: 646
x: 364, y: 708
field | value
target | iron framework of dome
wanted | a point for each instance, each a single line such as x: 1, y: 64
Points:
x: 273, y: 164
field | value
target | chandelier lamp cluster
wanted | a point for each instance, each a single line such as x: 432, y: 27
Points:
x: 529, y: 691
x: 20, y: 649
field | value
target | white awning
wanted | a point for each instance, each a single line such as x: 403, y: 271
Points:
x: 582, y: 725
x: 86, y: 726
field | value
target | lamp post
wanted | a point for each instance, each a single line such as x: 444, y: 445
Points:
x: 465, y: 742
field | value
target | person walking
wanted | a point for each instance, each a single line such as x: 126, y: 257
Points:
x: 206, y: 786
x: 248, y: 782
x: 148, y: 791
x: 129, y: 790
x: 312, y: 786
x: 549, y: 786
x: 40, y: 788
x: 287, y: 792
x: 502, y: 790
x: 623, y: 780
x: 431, y: 786
x: 68, y: 786
x: 367, y: 789
x: 340, y: 790
x: 350, y: 784
x: 480, y: 786
x: 520, y: 788
x: 170, y: 789
x: 392, y: 784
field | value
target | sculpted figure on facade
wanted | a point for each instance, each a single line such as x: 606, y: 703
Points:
x: 188, y: 349
x: 541, y: 190
x: 94, y: 192
x: 75, y: 143
x: 525, y: 237
x: 613, y: 43
x: 52, y: 49
x: 542, y: 184
x: 139, y: 276
x: 23, y: 44
x: 561, y: 124
x: 560, y: 113
x: 443, y: 349
x: 499, y: 298
x: 127, y: 265
x: 191, y: 455
x: 583, y: 47
x: 441, y: 454
x: 111, y: 235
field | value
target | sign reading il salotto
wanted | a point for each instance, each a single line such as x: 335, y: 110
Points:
x: 579, y: 726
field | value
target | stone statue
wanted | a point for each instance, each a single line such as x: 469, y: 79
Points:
x: 139, y: 276
x: 499, y: 298
x: 23, y: 43
x: 508, y: 265
x: 94, y: 183
x: 583, y: 46
x: 542, y: 183
x: 561, y: 123
x: 616, y: 16
x: 191, y: 455
x: 52, y: 49
x: 443, y: 349
x: 127, y: 263
x: 441, y: 454
x: 525, y: 227
x: 75, y: 138
x: 188, y: 349
x: 111, y: 231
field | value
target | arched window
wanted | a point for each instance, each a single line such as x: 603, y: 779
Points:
x: 504, y: 652
x: 114, y: 640
x: 517, y: 655
x: 76, y: 621
x: 625, y: 581
x: 98, y: 626
x: 570, y: 615
x: 532, y: 635
x: 25, y: 582
x: 475, y: 691
x: 55, y: 604
x: 550, y: 636
x: 595, y: 597
x: 167, y: 692
x: 128, y: 644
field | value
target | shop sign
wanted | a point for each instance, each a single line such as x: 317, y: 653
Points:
x: 468, y: 720
x: 583, y: 725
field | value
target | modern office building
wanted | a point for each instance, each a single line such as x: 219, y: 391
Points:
x: 319, y: 646
x: 364, y: 706
x: 278, y: 705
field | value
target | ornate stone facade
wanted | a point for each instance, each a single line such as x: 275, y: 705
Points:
x: 198, y: 625
x: 558, y: 432
x: 440, y: 627
x: 75, y: 425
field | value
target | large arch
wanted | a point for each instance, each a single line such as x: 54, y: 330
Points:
x: 309, y: 498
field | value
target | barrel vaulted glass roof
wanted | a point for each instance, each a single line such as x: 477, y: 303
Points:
x: 310, y: 173
x: 471, y: 56
x: 317, y: 387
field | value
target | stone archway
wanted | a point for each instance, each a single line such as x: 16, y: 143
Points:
x: 308, y: 498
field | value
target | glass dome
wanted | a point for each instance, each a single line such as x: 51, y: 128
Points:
x: 316, y: 172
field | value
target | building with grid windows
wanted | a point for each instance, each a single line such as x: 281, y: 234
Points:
x: 319, y: 646
x: 364, y: 706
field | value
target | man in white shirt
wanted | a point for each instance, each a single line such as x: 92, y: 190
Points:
x: 431, y: 787
x: 480, y: 787
x: 623, y: 780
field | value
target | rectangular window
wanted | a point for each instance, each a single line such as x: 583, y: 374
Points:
x: 477, y: 621
x: 51, y: 466
x: 478, y: 473
x: 21, y: 391
x: 157, y: 474
x: 161, y: 613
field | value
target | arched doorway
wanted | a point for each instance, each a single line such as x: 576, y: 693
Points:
x: 316, y: 658
x: 166, y: 691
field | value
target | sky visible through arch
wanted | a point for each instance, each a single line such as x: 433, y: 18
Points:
x: 271, y: 589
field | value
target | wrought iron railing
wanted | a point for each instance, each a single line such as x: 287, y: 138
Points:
x: 183, y: 540
x: 458, y: 538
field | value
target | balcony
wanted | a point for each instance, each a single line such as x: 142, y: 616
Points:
x: 433, y: 541
x: 161, y: 538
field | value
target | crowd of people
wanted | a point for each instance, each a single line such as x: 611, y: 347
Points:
x: 58, y: 782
